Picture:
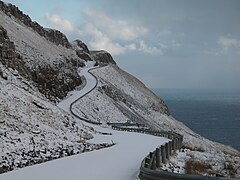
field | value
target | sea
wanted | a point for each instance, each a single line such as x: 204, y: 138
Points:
x: 214, y: 114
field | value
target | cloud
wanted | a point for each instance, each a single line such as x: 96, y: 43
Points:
x: 228, y: 43
x: 171, y: 44
x: 59, y: 23
x: 131, y: 47
x: 164, y: 32
x: 115, y: 28
x: 149, y: 49
x: 99, y: 40
x: 116, y: 36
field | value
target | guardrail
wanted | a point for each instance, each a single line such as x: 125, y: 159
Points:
x: 162, y: 153
x: 166, y: 134
x: 73, y: 113
x: 167, y: 149
x: 150, y: 166
x: 149, y: 174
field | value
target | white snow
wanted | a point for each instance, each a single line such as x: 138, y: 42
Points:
x: 99, y: 106
x: 74, y: 95
x: 177, y: 162
x: 119, y: 162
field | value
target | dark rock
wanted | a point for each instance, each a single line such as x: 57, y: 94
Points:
x: 48, y: 82
x: 57, y: 37
x: 8, y: 56
x: 54, y: 36
x: 81, y: 46
x: 102, y: 57
x: 83, y: 55
x: 81, y: 50
x: 51, y: 81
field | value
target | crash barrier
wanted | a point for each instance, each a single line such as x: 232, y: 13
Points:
x: 163, y: 152
x: 71, y: 105
x: 150, y: 166
x: 150, y: 174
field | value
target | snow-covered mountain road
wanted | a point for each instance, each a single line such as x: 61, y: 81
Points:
x: 91, y: 83
x: 119, y: 162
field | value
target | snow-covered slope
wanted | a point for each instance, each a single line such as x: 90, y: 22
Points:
x: 51, y: 66
x: 38, y: 65
x: 32, y: 129
x: 120, y: 162
x: 119, y: 97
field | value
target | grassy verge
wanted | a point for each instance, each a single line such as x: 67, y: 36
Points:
x: 196, y: 167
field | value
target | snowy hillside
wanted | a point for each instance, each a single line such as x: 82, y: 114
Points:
x: 119, y: 97
x: 50, y: 65
x: 32, y: 129
x: 39, y: 67
x: 119, y: 162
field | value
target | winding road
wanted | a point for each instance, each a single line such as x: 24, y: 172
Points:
x: 119, y: 162
x: 91, y: 83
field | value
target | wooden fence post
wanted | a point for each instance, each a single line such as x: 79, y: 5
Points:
x: 167, y: 150
x: 147, y: 162
x: 174, y: 145
x: 154, y: 161
x: 170, y: 147
x: 163, y: 154
x: 177, y: 143
x: 157, y: 157
x: 181, y: 141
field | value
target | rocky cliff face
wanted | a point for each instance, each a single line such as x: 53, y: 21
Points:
x: 33, y: 51
x: 43, y: 55
x: 53, y: 82
x: 8, y: 56
x: 54, y: 36
x: 101, y: 57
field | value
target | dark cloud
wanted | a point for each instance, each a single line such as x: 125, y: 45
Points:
x: 197, y: 26
x: 197, y: 42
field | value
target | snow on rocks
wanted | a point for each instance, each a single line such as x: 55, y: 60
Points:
x: 121, y: 161
x: 119, y: 97
x: 33, y: 130
x: 205, y: 163
x: 35, y: 49
x: 33, y: 126
x: 74, y: 95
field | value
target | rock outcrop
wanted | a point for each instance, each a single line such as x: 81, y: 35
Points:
x: 82, y: 50
x: 8, y: 56
x: 102, y: 57
x: 54, y: 36
x: 53, y: 82
x: 80, y: 46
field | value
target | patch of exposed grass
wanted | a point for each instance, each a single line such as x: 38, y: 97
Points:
x: 3, y: 170
x: 196, y: 167
x: 231, y: 170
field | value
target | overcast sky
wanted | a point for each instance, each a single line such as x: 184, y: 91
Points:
x: 165, y: 43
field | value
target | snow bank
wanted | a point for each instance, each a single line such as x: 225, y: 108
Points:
x: 119, y: 162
